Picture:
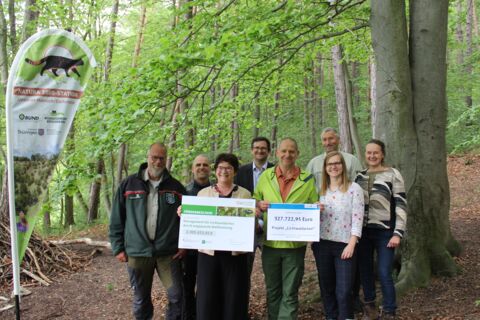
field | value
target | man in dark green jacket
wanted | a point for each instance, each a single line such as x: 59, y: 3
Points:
x: 144, y: 232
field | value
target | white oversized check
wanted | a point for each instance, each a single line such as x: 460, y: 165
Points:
x: 226, y: 224
x: 293, y: 222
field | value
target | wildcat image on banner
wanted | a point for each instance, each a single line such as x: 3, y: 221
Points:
x: 47, y: 79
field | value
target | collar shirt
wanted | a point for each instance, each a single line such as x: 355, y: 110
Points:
x: 152, y: 205
x: 286, y: 182
x: 257, y: 172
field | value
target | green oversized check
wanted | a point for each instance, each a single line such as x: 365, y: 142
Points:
x: 226, y: 224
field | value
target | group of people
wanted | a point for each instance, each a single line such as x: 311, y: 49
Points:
x: 361, y: 211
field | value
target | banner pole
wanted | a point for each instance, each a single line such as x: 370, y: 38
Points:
x: 11, y: 201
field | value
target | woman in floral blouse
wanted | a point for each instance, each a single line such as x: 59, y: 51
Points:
x: 342, y: 208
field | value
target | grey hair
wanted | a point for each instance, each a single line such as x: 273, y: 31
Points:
x: 329, y: 129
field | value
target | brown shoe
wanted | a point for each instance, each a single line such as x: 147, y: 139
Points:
x: 370, y: 312
x: 386, y: 316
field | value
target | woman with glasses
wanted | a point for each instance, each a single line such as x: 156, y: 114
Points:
x: 384, y: 226
x: 222, y: 278
x: 341, y: 218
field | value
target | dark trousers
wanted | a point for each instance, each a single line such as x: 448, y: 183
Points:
x: 189, y: 284
x: 377, y: 240
x: 222, y: 286
x: 336, y: 276
x: 141, y: 270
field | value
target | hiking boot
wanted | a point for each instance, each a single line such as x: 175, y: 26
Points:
x: 370, y: 312
x: 387, y: 316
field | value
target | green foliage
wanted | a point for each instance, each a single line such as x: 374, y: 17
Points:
x: 262, y: 49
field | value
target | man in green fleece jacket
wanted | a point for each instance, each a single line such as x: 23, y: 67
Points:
x: 283, y: 261
x: 144, y: 232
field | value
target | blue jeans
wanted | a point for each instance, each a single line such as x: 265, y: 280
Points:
x: 377, y: 240
x: 335, y: 277
x: 141, y: 270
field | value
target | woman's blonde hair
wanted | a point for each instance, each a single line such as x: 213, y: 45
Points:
x: 326, y: 178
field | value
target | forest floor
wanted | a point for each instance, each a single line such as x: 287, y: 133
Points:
x: 101, y: 291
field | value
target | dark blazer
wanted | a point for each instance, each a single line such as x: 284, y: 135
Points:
x: 244, y: 177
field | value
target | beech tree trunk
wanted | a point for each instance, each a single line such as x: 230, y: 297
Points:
x: 256, y: 127
x: 13, y: 27
x: 95, y: 192
x: 468, y: 53
x: 30, y: 19
x: 459, y: 32
x: 341, y: 99
x: 319, y: 79
x: 3, y: 50
x: 411, y: 119
x: 373, y: 96
x: 276, y: 110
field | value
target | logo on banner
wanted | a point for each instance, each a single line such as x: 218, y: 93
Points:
x: 23, y: 117
x: 41, y: 132
x: 55, y: 117
x: 55, y: 63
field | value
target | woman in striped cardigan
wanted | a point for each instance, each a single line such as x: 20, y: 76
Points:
x: 384, y: 226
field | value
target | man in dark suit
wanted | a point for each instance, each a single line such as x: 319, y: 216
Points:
x: 248, y: 174
x: 247, y: 177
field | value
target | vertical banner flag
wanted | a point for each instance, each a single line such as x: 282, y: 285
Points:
x: 47, y: 80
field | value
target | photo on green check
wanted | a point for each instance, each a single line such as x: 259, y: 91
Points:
x: 235, y: 212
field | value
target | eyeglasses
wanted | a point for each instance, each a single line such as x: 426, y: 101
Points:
x: 331, y: 164
x: 155, y: 158
x: 227, y: 169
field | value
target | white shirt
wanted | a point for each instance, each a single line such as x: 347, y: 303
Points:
x: 152, y: 205
x: 257, y: 172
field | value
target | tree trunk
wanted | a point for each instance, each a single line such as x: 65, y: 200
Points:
x: 13, y: 27
x: 411, y: 119
x: 276, y: 110
x: 95, y: 192
x: 355, y: 92
x: 81, y: 202
x: 3, y: 50
x: 319, y: 79
x: 459, y: 33
x: 69, y: 149
x: 69, y: 214
x: 352, y: 123
x: 341, y: 99
x: 257, y: 114
x: 30, y: 19
x: 111, y: 41
x: 314, y: 109
x: 373, y: 96
x: 468, y: 53
x: 306, y: 100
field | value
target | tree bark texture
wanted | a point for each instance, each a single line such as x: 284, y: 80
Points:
x: 341, y: 99
x: 3, y: 50
x: 459, y: 32
x: 30, y: 19
x: 13, y: 27
x: 373, y: 96
x: 411, y: 119
x: 319, y: 80
x: 468, y: 53
x: 69, y: 213
x: 274, y: 133
x: 111, y: 41
x: 95, y: 191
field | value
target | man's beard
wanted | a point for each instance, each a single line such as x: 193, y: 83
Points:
x: 155, y: 173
